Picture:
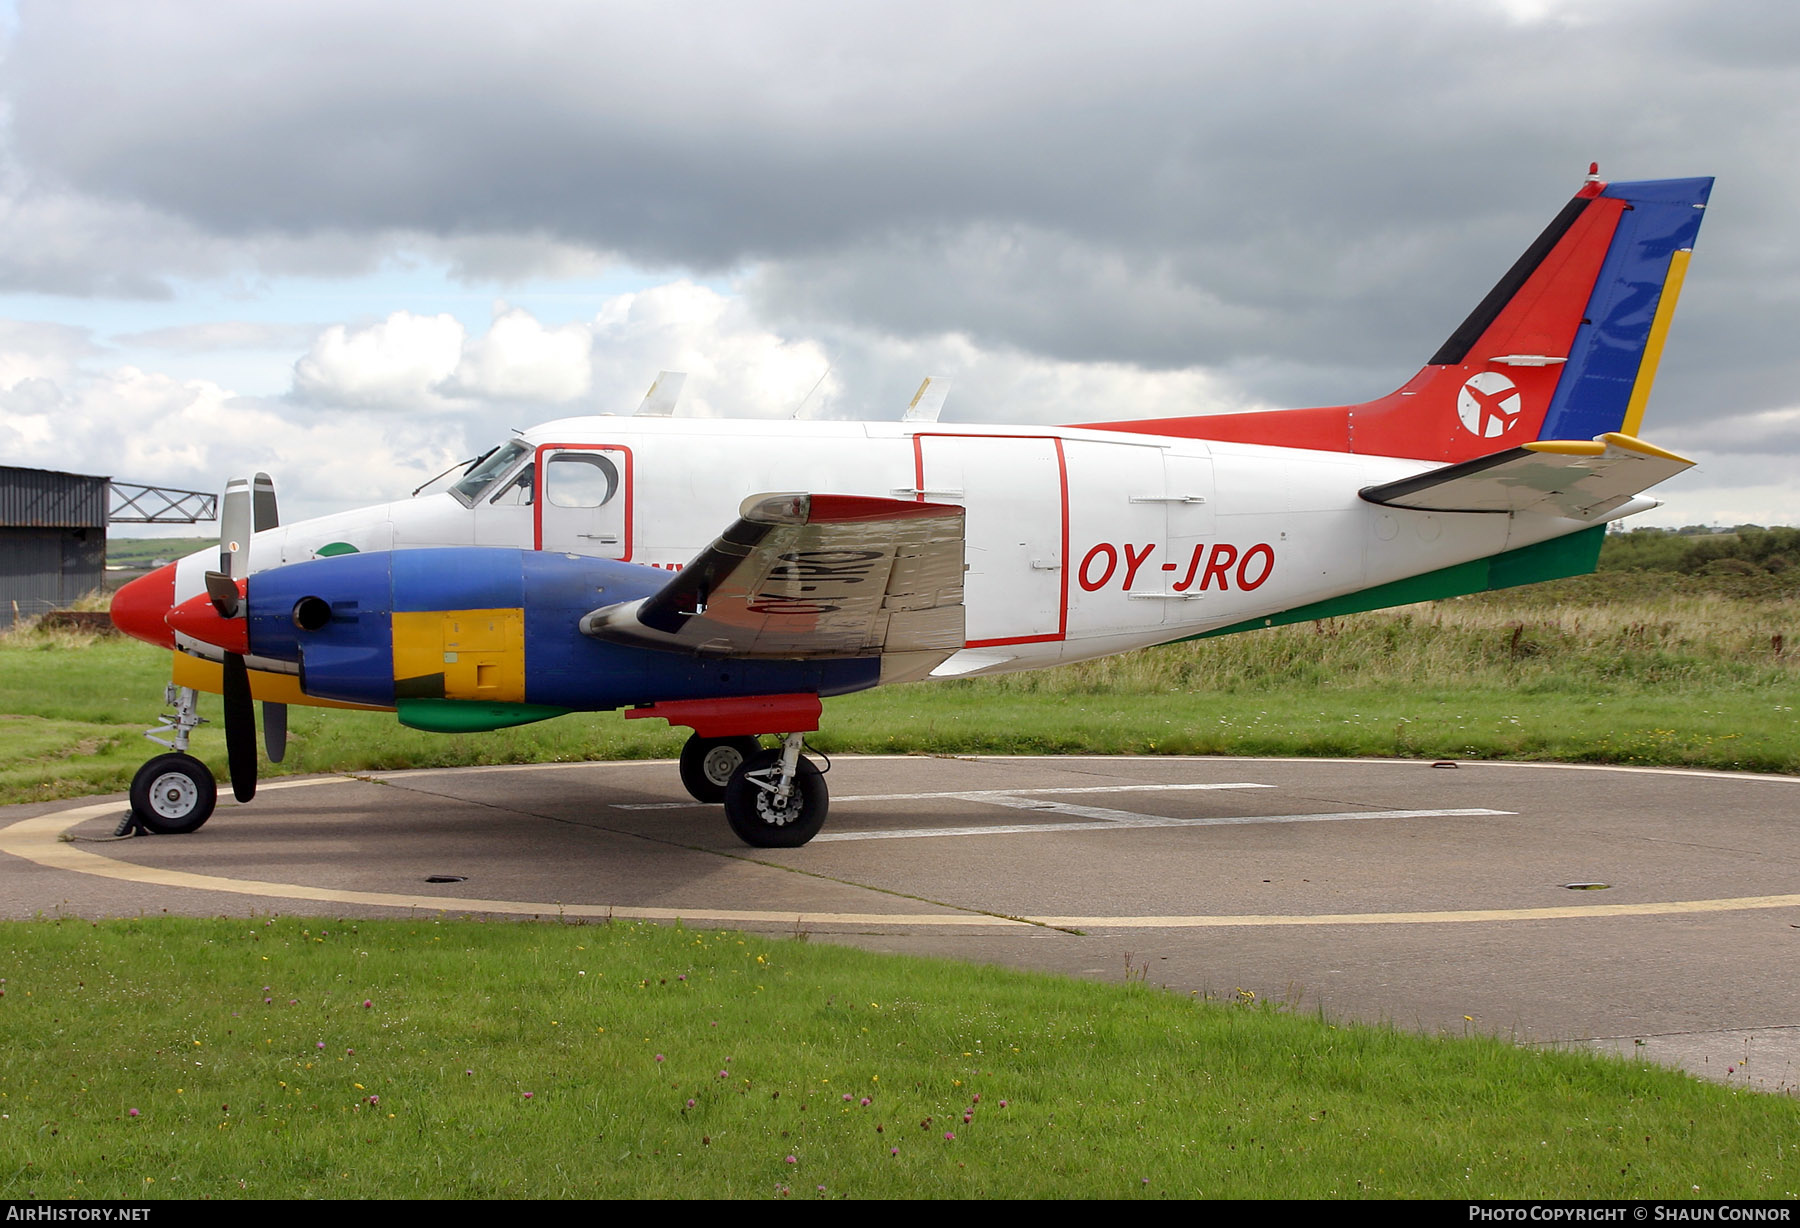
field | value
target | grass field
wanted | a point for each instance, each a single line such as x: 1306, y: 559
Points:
x: 282, y: 1058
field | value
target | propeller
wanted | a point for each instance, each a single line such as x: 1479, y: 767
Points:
x: 249, y: 508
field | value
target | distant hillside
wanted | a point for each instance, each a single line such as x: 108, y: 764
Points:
x: 139, y: 553
x: 1745, y: 550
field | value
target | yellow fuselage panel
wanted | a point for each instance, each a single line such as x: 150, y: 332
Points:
x: 204, y: 675
x: 479, y: 654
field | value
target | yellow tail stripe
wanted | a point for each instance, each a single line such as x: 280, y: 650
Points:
x: 1659, y: 331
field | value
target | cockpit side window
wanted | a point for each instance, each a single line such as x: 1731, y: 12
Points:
x: 580, y: 479
x: 485, y: 471
x: 518, y: 491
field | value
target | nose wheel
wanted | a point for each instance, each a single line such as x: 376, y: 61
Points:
x: 174, y: 794
x: 776, y: 799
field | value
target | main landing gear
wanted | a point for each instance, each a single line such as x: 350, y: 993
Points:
x: 774, y: 798
x: 174, y: 793
x: 707, y: 765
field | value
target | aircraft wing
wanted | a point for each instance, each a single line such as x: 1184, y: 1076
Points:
x: 801, y: 576
x: 1579, y: 479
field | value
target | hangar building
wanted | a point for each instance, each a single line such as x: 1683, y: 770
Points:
x: 52, y: 539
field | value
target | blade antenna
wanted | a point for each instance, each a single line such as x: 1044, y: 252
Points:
x: 815, y: 388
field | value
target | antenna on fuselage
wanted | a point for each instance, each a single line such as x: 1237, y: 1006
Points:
x: 928, y: 401
x: 815, y: 388
x: 665, y: 390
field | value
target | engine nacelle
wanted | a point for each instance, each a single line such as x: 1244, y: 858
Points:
x: 477, y: 638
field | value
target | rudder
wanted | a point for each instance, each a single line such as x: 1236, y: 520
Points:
x: 1612, y: 363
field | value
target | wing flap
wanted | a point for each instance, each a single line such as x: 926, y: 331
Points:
x: 803, y: 576
x: 1577, y: 479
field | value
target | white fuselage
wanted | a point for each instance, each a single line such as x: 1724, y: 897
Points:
x: 1080, y: 543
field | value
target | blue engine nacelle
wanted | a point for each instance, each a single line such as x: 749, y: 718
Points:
x: 475, y: 637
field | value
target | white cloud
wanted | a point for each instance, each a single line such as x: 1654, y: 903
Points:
x: 30, y: 350
x: 396, y: 364
x: 144, y: 426
x: 213, y: 336
x: 520, y: 360
x: 736, y: 365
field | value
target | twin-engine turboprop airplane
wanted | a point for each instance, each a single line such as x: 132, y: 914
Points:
x: 568, y: 569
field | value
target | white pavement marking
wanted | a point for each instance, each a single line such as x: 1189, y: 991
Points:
x: 969, y: 795
x: 1114, y: 820
x: 1100, y: 818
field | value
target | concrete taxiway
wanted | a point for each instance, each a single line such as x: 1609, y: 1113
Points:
x: 1650, y: 911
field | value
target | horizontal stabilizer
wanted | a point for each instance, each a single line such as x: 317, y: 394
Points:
x: 1577, y: 479
x: 806, y: 576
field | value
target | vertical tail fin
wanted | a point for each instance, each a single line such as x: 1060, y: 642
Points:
x: 1565, y: 346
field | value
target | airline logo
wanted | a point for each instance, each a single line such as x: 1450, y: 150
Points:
x: 1488, y: 404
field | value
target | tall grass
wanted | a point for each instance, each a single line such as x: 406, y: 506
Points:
x: 1530, y: 645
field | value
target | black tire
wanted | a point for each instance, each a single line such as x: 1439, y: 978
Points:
x: 756, y: 822
x: 174, y: 794
x: 707, y: 765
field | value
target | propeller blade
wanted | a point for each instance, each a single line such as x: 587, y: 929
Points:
x: 235, y: 526
x: 262, y: 503
x: 275, y: 731
x: 224, y: 593
x: 240, y: 728
x: 263, y: 514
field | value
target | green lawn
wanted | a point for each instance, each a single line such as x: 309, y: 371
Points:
x: 281, y: 1058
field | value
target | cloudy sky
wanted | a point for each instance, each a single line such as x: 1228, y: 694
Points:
x: 352, y: 243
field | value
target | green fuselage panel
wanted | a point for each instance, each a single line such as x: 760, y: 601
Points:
x: 1574, y: 555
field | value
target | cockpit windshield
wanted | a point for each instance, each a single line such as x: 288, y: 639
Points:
x: 487, y: 469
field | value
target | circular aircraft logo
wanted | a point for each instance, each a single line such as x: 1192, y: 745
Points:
x: 1488, y: 404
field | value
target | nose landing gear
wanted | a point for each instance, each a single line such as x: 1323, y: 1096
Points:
x: 174, y: 794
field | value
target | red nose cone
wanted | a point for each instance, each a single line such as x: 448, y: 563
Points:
x: 196, y: 617
x: 139, y: 608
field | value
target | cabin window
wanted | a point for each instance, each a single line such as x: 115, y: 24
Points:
x: 580, y: 479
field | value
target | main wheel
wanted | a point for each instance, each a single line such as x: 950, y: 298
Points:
x: 753, y: 814
x: 707, y: 765
x: 174, y: 794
